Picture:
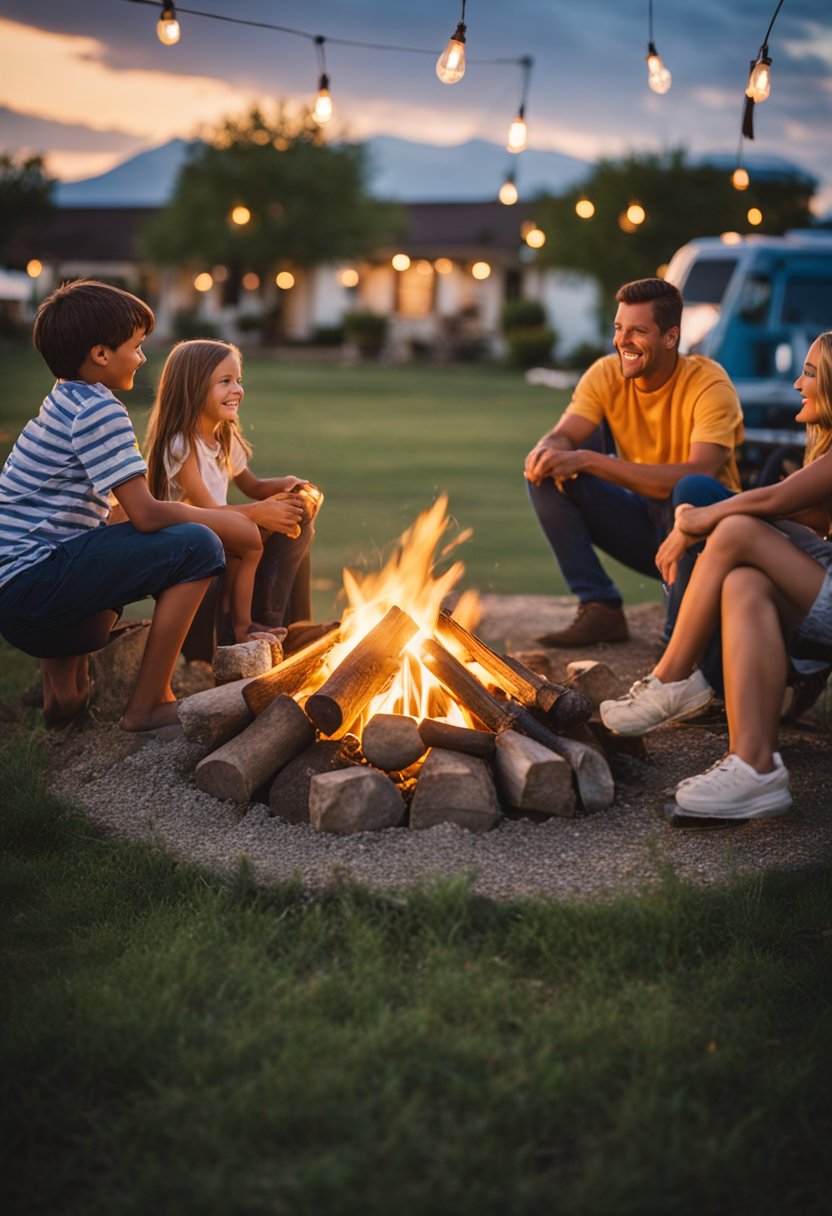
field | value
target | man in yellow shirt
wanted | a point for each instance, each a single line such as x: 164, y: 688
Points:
x: 676, y: 420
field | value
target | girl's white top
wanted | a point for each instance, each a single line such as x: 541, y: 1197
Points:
x: 212, y: 468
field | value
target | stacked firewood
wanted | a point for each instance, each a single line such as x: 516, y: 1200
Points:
x: 530, y: 751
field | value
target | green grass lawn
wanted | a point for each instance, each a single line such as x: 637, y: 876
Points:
x: 383, y: 442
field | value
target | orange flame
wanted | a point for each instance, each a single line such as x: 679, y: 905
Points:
x: 408, y: 580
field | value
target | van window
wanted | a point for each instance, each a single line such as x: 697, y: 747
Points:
x: 707, y: 280
x: 755, y: 298
x: 807, y: 303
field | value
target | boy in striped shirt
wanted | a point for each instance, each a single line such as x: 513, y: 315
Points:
x: 64, y: 573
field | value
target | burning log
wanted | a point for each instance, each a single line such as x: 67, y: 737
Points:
x: 364, y: 672
x: 354, y: 800
x: 563, y: 705
x: 243, y: 764
x: 453, y: 788
x: 289, y: 794
x: 288, y: 677
x: 392, y: 742
x: 533, y: 778
x: 457, y: 738
x: 215, y: 715
x: 592, y: 773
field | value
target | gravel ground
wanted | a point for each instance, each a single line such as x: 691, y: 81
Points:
x: 144, y: 790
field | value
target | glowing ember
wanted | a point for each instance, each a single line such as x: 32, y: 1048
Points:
x: 408, y: 581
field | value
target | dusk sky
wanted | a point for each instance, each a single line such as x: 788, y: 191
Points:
x: 88, y: 83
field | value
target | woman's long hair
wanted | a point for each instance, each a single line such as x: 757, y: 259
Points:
x: 183, y: 389
x: 819, y: 434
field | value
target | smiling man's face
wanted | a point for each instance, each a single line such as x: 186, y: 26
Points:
x: 645, y: 353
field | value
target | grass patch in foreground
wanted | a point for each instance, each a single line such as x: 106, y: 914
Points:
x: 174, y: 1044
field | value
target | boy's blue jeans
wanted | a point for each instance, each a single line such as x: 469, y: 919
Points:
x: 63, y: 605
x: 629, y: 527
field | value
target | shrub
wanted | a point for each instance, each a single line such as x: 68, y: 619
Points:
x: 530, y: 346
x: 522, y: 314
x: 367, y: 331
x: 188, y: 324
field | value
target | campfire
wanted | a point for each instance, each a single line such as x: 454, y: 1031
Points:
x: 400, y: 714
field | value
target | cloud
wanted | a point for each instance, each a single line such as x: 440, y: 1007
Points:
x: 64, y: 78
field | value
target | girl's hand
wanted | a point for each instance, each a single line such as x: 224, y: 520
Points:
x: 695, y: 522
x: 281, y: 512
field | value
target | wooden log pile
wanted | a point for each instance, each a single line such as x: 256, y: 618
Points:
x: 266, y: 737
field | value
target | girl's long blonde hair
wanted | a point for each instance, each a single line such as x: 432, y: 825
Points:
x: 183, y: 388
x: 819, y: 434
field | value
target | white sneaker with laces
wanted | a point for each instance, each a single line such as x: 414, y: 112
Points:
x: 732, y: 789
x: 649, y: 703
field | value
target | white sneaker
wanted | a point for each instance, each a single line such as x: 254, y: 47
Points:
x: 732, y: 789
x: 649, y: 703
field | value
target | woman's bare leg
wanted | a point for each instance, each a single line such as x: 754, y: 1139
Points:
x: 737, y: 541
x: 755, y: 619
x: 152, y: 702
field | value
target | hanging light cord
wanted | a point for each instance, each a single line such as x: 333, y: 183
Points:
x: 764, y: 47
x: 287, y: 29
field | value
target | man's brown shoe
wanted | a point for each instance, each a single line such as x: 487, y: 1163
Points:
x: 595, y: 622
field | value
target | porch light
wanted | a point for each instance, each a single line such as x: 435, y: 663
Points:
x: 285, y: 280
x: 34, y: 268
x: 348, y: 277
x: 443, y: 265
x: 450, y: 66
x: 400, y: 261
x: 584, y: 208
x: 167, y: 27
x: 423, y: 266
x: 240, y: 216
x: 204, y: 282
x: 481, y: 270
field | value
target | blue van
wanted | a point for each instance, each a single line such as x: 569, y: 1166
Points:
x: 755, y: 304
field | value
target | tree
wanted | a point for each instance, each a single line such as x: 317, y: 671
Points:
x: 681, y: 201
x: 25, y: 198
x: 306, y: 199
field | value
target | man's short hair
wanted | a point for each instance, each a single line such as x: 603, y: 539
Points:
x: 665, y: 298
x: 82, y: 314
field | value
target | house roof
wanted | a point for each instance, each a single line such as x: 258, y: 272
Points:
x: 109, y: 234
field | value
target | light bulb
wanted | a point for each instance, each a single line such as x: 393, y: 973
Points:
x: 585, y: 208
x: 167, y: 27
x: 517, y: 135
x: 739, y: 178
x: 660, y: 82
x: 322, y: 111
x: 636, y: 214
x: 759, y: 80
x: 450, y: 66
x: 508, y: 193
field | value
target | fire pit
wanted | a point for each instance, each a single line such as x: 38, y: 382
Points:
x: 401, y: 714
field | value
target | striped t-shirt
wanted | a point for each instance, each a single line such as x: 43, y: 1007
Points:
x: 58, y: 479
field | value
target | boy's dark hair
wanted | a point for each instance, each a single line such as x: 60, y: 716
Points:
x: 665, y: 298
x: 80, y: 315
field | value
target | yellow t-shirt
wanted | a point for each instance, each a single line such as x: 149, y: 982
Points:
x: 698, y: 404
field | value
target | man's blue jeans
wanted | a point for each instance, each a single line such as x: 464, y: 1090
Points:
x: 629, y: 527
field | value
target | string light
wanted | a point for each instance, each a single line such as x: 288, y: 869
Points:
x: 400, y: 261
x: 740, y: 178
x: 443, y: 265
x: 481, y: 270
x: 167, y: 27
x: 636, y: 214
x: 450, y: 66
x: 34, y: 268
x: 754, y: 216
x: 508, y: 195
x: 284, y: 280
x: 585, y: 208
x: 658, y: 76
x: 535, y: 238
x: 204, y: 282
x: 240, y: 215
x: 517, y: 133
x: 322, y: 109
x: 759, y: 80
